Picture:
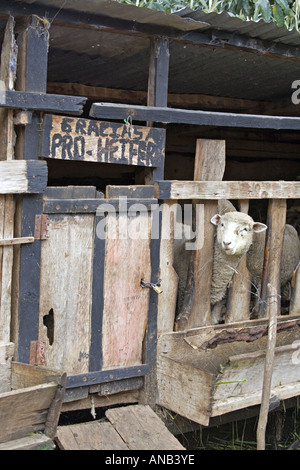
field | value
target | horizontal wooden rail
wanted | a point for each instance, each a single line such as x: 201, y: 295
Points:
x: 184, y: 116
x: 214, y: 190
x: 42, y: 102
x: 16, y: 241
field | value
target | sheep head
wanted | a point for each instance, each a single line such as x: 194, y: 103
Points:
x: 235, y: 232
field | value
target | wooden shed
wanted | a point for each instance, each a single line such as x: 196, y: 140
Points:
x: 112, y: 116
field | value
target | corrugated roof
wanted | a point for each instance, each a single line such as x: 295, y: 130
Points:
x: 104, y: 58
x: 254, y: 29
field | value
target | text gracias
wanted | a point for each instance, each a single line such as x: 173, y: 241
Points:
x: 83, y: 139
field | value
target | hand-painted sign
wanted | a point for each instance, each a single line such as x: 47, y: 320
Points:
x: 69, y: 138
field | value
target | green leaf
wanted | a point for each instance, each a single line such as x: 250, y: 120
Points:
x: 284, y: 5
x: 262, y: 10
x: 278, y: 15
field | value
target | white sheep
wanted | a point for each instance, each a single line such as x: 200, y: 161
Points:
x: 237, y: 234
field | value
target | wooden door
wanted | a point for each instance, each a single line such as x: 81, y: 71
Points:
x: 93, y: 311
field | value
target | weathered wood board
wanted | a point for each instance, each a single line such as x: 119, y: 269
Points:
x: 196, y: 310
x: 65, y: 292
x: 227, y: 189
x: 126, y: 303
x: 242, y: 378
x: 21, y: 177
x: 25, y: 411
x: 134, y: 427
x: 6, y: 354
x: 219, y: 369
x: 88, y: 140
x: 36, y: 441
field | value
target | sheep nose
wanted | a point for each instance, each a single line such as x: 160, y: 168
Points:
x: 226, y: 244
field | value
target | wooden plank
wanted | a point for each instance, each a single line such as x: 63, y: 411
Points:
x: 33, y: 442
x: 192, y: 387
x: 16, y: 241
x: 175, y: 100
x: 43, y: 102
x: 227, y: 190
x: 240, y: 289
x: 55, y: 408
x: 26, y: 375
x: 243, y: 377
x: 88, y: 140
x: 125, y: 315
x: 65, y: 292
x: 209, y: 165
x: 31, y: 404
x: 295, y: 295
x: 21, y: 177
x: 276, y: 219
x: 201, y: 118
x: 89, y: 436
x: 167, y: 301
x: 7, y: 77
x: 6, y: 355
x: 142, y: 429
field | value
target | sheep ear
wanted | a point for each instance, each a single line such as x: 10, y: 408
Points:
x: 259, y: 227
x: 216, y: 219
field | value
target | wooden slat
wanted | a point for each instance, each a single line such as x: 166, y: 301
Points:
x: 125, y: 315
x: 43, y: 102
x: 295, y: 297
x: 16, y: 241
x: 271, y: 273
x: 32, y: 442
x: 7, y: 77
x: 240, y: 289
x: 182, y: 116
x: 25, y: 411
x: 65, y: 292
x: 209, y: 165
x: 142, y: 429
x: 23, y: 177
x: 89, y: 436
x: 227, y: 190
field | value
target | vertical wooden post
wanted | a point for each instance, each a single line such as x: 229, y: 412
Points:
x: 240, y: 290
x: 7, y: 77
x: 268, y: 369
x: 157, y: 96
x: 209, y: 166
x: 167, y: 301
x: 295, y: 296
x: 276, y: 220
x: 33, y: 41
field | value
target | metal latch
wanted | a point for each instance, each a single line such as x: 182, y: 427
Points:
x: 41, y: 227
x: 151, y: 285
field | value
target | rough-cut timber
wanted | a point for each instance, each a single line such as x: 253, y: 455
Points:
x: 227, y: 189
x: 67, y: 138
x: 203, y: 118
x: 43, y: 102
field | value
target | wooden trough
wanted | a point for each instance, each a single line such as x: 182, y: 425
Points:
x: 216, y: 369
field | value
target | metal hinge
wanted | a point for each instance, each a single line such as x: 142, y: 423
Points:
x: 41, y: 227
